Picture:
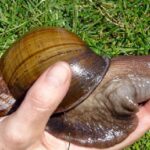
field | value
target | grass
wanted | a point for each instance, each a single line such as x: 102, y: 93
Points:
x: 109, y: 27
x: 142, y: 144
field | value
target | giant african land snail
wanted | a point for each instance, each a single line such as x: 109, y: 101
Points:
x: 100, y: 108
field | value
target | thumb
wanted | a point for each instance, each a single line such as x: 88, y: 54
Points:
x: 42, y: 99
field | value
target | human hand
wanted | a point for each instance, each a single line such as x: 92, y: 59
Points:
x: 24, y: 129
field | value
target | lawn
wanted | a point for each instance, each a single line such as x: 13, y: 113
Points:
x: 110, y: 27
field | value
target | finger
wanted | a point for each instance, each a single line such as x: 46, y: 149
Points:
x: 43, y: 98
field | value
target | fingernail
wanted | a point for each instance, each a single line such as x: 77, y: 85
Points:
x: 58, y: 74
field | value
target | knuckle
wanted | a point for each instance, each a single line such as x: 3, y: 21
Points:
x: 39, y: 102
x: 14, y: 138
x: 14, y: 135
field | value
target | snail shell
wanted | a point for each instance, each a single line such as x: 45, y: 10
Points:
x: 93, y: 113
x: 24, y: 62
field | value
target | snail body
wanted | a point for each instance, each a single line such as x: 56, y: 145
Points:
x: 108, y: 115
x: 100, y: 107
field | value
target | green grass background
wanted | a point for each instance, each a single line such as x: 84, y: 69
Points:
x: 109, y: 27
